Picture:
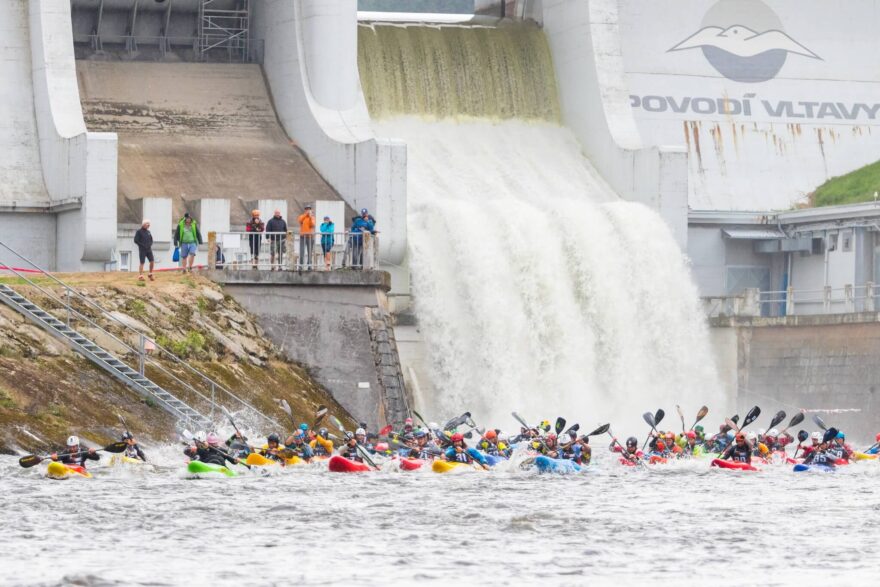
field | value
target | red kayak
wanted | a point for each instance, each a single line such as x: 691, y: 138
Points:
x: 340, y: 464
x: 411, y: 464
x: 733, y: 465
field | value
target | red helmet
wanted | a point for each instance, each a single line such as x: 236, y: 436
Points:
x: 691, y: 434
x: 551, y: 437
x: 878, y: 437
x: 660, y: 445
x: 740, y: 437
x: 670, y: 435
x: 457, y: 437
x: 491, y: 434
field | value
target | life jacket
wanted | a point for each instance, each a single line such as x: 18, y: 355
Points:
x: 740, y: 454
x: 131, y: 451
x: 461, y: 457
x: 351, y: 453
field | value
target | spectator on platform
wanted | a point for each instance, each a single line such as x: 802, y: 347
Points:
x: 327, y: 240
x: 143, y: 238
x: 276, y: 230
x: 188, y: 238
x: 306, y: 238
x: 364, y: 223
x: 256, y: 227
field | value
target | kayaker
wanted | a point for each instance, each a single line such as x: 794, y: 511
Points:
x: 671, y: 443
x: 297, y: 443
x: 407, y: 427
x: 408, y: 443
x: 820, y: 455
x: 460, y: 453
x: 74, y: 454
x: 372, y: 442
x: 583, y: 453
x: 875, y: 448
x: 321, y: 445
x: 739, y: 451
x: 349, y: 450
x: 632, y: 452
x: 361, y: 436
x: 272, y: 447
x: 238, y: 445
x: 132, y: 450
x: 701, y: 434
x: 838, y: 448
x: 691, y: 448
x: 206, y: 448
x: 659, y: 451
x: 491, y: 444
x: 550, y: 447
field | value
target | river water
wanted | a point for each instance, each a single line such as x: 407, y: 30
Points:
x: 680, y: 524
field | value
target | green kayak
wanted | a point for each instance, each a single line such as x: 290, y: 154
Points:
x: 200, y: 468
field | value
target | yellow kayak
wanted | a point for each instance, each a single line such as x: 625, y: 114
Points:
x: 860, y: 456
x: 258, y: 460
x: 439, y: 466
x: 117, y: 460
x: 58, y: 470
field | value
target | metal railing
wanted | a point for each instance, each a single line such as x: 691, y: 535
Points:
x: 293, y: 252
x: 143, y: 357
x: 793, y: 302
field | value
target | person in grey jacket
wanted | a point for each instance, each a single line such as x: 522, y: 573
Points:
x: 143, y: 238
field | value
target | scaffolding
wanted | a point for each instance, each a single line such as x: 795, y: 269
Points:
x: 224, y: 29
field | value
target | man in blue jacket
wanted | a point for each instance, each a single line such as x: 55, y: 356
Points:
x: 359, y: 225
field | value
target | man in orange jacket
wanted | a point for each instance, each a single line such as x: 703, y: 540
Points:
x: 306, y: 238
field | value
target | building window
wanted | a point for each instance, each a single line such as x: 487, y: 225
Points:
x: 125, y: 261
x: 846, y: 241
x: 832, y: 242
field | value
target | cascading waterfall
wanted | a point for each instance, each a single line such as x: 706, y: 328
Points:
x: 535, y: 286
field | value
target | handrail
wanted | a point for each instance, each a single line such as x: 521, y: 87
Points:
x: 138, y: 352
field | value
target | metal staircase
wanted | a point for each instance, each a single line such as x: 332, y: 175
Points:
x: 225, y: 25
x: 104, y: 359
x: 200, y: 390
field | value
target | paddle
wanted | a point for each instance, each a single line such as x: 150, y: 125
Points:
x: 751, y: 416
x: 624, y: 453
x: 357, y: 444
x: 560, y: 425
x: 795, y: 420
x: 29, y: 461
x: 802, y: 436
x: 232, y: 421
x: 319, y: 416
x: 700, y: 415
x: 779, y: 417
x: 456, y: 422
x: 819, y: 422
x: 680, y: 415
x: 573, y: 428
x: 122, y: 421
x: 658, y: 416
x: 649, y: 418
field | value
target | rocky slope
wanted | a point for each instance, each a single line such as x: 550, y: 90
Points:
x: 48, y: 392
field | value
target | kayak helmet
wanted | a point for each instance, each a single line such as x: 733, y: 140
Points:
x: 274, y: 438
x: 691, y: 435
x: 877, y: 438
x: 660, y: 445
x: 816, y: 436
x: 632, y: 442
x: 699, y: 428
x: 360, y: 432
x: 458, y: 437
x: 408, y: 421
x: 127, y: 436
x: 773, y: 433
x: 201, y: 436
x: 752, y: 436
x: 322, y: 433
x: 491, y: 434
x: 552, y: 437
x: 382, y: 446
x: 762, y: 431
x: 303, y: 426
x: 740, y: 437
x: 841, y: 436
x: 573, y: 433
x: 433, y: 425
x: 213, y: 439
x: 419, y: 434
x: 670, y: 435
x: 73, y: 441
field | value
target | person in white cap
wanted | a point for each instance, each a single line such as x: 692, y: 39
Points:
x: 143, y: 238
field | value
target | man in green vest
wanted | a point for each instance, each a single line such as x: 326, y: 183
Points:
x: 188, y: 238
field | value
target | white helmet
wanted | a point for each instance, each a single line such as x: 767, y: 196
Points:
x: 773, y: 432
x: 73, y: 441
x: 201, y: 436
x: 752, y: 436
x: 433, y: 425
x: 817, y: 436
x: 360, y: 432
x: 761, y: 431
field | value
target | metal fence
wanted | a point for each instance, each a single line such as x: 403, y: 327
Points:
x: 276, y: 251
x: 794, y: 302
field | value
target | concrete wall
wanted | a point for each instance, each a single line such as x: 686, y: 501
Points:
x: 311, y: 65
x: 31, y: 234
x: 767, y: 120
x: 585, y: 39
x: 326, y: 322
x: 77, y: 165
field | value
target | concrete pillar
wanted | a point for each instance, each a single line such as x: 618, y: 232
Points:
x: 848, y: 295
x: 159, y: 212
x: 212, y: 214
x: 869, y: 296
x: 789, y: 304
x: 826, y: 299
x: 751, y: 302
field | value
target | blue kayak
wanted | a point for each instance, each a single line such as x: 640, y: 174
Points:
x: 492, y: 460
x: 800, y: 468
x: 561, y: 466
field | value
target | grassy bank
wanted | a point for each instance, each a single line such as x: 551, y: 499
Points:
x: 852, y: 188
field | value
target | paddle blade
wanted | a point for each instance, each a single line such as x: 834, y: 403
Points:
x: 779, y: 417
x: 649, y: 419
x: 658, y: 416
x: 469, y: 434
x: 115, y: 448
x: 386, y: 431
x: 702, y: 413
x: 796, y: 419
x: 419, y: 416
x: 456, y: 422
x: 560, y: 425
x: 731, y: 424
x: 600, y: 430
x: 30, y: 461
x: 829, y: 435
x: 819, y: 422
x: 751, y: 416
x: 286, y: 407
x: 337, y: 423
x: 519, y: 419
x: 735, y: 418
x: 802, y: 435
